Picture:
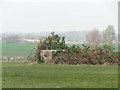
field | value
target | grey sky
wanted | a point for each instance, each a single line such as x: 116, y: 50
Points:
x: 36, y: 16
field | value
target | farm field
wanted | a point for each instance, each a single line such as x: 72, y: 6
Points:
x: 22, y: 75
x: 14, y: 50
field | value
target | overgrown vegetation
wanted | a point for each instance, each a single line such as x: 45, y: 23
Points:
x: 98, y: 55
x: 74, y: 54
x: 52, y: 42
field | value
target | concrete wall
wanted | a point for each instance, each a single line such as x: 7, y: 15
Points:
x: 47, y: 55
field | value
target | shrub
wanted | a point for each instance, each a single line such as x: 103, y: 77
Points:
x: 98, y: 55
x: 52, y: 42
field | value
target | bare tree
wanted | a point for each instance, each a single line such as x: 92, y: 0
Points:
x: 93, y: 37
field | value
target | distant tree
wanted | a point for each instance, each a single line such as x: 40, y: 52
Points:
x: 93, y: 37
x: 12, y: 39
x: 109, y: 35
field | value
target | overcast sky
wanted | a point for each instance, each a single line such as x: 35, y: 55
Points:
x: 64, y: 15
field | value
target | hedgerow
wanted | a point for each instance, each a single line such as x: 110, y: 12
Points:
x: 74, y: 54
x: 98, y: 55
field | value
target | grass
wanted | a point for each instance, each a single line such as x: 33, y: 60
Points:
x: 21, y: 75
x: 14, y: 50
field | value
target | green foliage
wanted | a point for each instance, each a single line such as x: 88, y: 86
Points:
x: 85, y: 47
x: 73, y: 48
x: 86, y: 55
x: 52, y: 42
x: 74, y: 54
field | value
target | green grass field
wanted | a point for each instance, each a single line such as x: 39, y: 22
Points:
x: 14, y: 50
x: 21, y: 75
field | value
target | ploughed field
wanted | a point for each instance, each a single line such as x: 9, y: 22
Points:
x: 22, y: 75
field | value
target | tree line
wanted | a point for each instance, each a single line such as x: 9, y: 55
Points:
x: 94, y: 37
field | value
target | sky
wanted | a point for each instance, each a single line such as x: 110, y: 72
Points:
x: 57, y: 15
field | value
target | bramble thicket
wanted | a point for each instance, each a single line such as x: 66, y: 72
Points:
x: 74, y: 54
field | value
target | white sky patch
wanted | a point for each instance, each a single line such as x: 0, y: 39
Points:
x: 58, y: 15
